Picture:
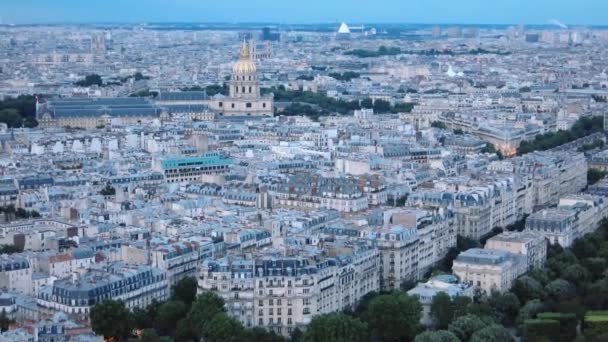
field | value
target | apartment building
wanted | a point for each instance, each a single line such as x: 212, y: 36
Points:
x: 137, y: 286
x: 488, y: 269
x: 180, y: 259
x: 284, y: 293
x: 528, y: 244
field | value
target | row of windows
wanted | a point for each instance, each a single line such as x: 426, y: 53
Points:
x: 232, y: 105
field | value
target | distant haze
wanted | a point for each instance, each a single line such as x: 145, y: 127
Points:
x: 569, y: 12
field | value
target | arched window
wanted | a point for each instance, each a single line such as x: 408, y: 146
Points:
x: 243, y: 89
x: 250, y: 90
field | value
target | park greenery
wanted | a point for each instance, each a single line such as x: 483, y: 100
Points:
x: 315, y: 105
x: 583, y: 127
x: 90, y: 80
x: 96, y: 80
x: 393, y: 51
x: 591, y: 146
x: 346, y: 76
x: 108, y: 190
x: 595, y: 175
x: 10, y: 249
x: 305, y: 77
x: 11, y: 213
x: 19, y: 111
x: 211, y: 90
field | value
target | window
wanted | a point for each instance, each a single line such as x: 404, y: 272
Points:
x: 250, y: 91
x: 233, y: 105
x: 264, y: 106
x: 221, y: 104
x: 248, y: 105
x: 243, y: 89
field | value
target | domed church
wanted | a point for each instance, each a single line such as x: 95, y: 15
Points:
x: 244, y: 99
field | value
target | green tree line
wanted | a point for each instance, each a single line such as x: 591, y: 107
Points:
x: 542, y: 142
x: 19, y: 112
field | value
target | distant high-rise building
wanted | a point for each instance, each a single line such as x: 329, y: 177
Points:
x: 270, y: 34
x: 471, y: 32
x: 436, y: 31
x: 532, y: 37
x: 454, y: 32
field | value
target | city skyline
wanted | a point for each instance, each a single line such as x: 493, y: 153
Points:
x: 537, y: 12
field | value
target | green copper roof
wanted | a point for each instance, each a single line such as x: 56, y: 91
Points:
x: 208, y: 159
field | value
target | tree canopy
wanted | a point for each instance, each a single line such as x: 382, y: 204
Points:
x: 336, y: 327
x: 111, y: 319
x: 394, y: 316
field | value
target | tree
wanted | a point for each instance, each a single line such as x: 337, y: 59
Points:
x: 258, y: 334
x: 596, y: 297
x: 296, y: 335
x: 596, y: 266
x: 185, y: 290
x: 367, y: 103
x: 527, y: 288
x: 576, y: 274
x: 530, y: 310
x: 185, y: 331
x: 336, y: 327
x: 560, y: 289
x: 10, y: 249
x: 381, y: 106
x: 223, y: 328
x: 394, y: 316
x: 505, y: 305
x: 541, y: 330
x: 11, y: 118
x: 204, y: 308
x: 593, y: 175
x: 494, y: 333
x: 465, y: 326
x: 169, y: 314
x: 109, y: 190
x: 442, y: 310
x: 438, y: 124
x: 150, y: 335
x: 90, y: 80
x: 111, y: 319
x: 460, y: 305
x: 5, y: 322
x: 437, y: 336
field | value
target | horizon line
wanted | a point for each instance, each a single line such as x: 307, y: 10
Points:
x: 68, y: 23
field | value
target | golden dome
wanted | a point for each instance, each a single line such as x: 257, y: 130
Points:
x: 245, y: 65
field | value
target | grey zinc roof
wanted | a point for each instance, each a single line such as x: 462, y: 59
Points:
x: 183, y: 96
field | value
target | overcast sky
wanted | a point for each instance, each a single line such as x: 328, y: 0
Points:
x: 571, y: 12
